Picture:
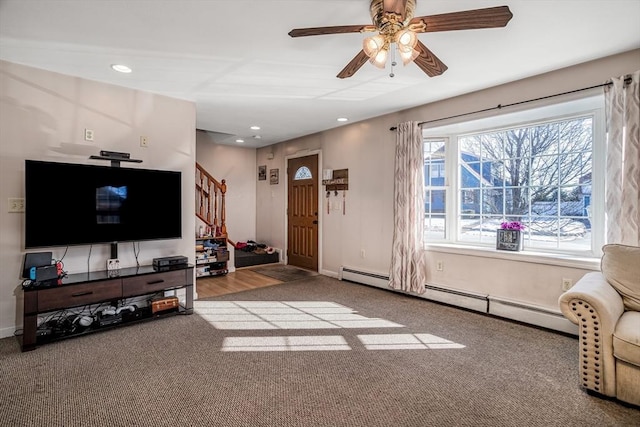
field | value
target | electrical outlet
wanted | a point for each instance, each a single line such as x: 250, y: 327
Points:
x: 566, y: 284
x: 88, y: 135
x: 362, y: 253
x: 439, y: 266
x: 144, y: 141
x: 15, y: 205
x: 113, y: 264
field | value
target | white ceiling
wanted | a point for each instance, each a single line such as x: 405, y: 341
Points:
x: 234, y: 59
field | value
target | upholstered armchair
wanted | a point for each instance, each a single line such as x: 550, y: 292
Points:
x: 606, y: 307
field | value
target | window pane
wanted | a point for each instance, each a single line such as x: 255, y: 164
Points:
x: 303, y: 173
x: 435, y: 200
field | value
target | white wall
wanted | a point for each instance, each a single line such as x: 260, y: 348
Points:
x: 42, y: 117
x: 367, y: 150
x: 237, y: 166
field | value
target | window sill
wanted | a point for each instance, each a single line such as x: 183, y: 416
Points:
x: 544, y: 258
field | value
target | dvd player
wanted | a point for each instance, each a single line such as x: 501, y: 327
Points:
x: 170, y: 261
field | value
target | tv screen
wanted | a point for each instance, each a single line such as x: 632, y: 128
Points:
x: 75, y: 204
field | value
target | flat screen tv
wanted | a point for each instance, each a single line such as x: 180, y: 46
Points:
x: 75, y: 204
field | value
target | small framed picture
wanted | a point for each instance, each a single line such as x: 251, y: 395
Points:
x: 262, y: 173
x: 274, y: 176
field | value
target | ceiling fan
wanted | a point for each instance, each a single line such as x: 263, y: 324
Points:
x: 395, y: 24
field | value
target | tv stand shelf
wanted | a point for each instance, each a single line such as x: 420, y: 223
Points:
x: 76, y: 291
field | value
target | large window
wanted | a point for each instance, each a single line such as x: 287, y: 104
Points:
x: 538, y: 171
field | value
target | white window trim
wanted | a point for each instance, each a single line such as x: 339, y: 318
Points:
x: 591, y: 103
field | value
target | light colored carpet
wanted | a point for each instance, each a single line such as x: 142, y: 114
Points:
x: 174, y: 371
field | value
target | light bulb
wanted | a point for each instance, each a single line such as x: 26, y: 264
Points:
x: 380, y: 59
x: 406, y: 39
x: 373, y: 45
x: 408, y: 55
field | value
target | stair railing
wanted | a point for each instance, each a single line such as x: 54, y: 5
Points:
x: 210, y: 201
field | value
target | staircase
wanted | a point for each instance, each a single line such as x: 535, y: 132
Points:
x: 210, y: 202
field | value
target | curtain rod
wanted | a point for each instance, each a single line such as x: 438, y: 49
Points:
x: 627, y: 80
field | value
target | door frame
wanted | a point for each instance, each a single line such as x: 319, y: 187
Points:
x: 303, y: 153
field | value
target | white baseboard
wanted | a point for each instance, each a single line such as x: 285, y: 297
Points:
x: 330, y: 273
x: 465, y: 299
x: 483, y: 303
x: 528, y: 313
x: 372, y: 278
x: 8, y: 332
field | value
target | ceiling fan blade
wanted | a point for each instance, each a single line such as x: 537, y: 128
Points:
x: 342, y: 29
x: 491, y: 17
x: 353, y: 66
x: 428, y: 62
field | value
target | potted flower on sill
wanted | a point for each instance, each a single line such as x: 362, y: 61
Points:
x: 509, y: 236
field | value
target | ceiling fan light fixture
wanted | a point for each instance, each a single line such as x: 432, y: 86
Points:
x: 373, y: 45
x: 380, y: 59
x: 408, y: 56
x: 406, y: 40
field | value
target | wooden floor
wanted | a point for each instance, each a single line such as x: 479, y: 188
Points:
x: 240, y: 280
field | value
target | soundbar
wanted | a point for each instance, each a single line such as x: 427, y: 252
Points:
x: 115, y: 155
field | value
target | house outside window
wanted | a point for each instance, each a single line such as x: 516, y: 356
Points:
x: 435, y: 195
x: 538, y: 170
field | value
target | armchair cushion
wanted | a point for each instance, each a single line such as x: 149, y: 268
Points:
x: 620, y: 266
x: 626, y: 338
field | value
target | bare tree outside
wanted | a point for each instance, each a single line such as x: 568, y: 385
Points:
x: 537, y: 174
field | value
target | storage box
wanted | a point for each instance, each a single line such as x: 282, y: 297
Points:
x: 164, y: 304
x: 222, y: 255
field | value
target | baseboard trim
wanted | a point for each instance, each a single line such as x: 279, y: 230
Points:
x: 483, y: 303
x: 371, y: 278
x: 532, y: 314
x: 7, y: 332
x: 465, y: 299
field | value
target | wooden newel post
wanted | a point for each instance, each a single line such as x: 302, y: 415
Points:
x: 223, y: 215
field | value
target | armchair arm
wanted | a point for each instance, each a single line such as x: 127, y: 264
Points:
x: 595, y: 307
x: 594, y: 290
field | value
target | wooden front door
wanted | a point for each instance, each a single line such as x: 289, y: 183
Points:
x: 302, y: 212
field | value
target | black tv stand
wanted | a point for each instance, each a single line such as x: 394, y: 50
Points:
x: 77, y: 291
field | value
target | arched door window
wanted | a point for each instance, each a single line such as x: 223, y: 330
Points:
x: 303, y: 173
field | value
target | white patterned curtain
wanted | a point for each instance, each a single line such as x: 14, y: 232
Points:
x: 622, y: 208
x: 407, y: 262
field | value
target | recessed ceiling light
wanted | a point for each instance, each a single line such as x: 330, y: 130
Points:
x: 255, y: 127
x: 343, y: 119
x: 257, y: 137
x: 121, y: 68
x: 239, y: 140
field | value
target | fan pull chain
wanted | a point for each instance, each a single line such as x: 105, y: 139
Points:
x: 393, y: 59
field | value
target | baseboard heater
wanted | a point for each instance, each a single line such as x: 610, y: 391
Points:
x: 484, y: 303
x: 468, y: 300
x: 528, y: 313
x: 365, y: 278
